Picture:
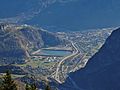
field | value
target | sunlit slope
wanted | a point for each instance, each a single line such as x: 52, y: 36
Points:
x: 18, y: 41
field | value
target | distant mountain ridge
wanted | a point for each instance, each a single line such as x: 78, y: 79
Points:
x: 62, y: 15
x: 24, y: 10
x: 102, y: 70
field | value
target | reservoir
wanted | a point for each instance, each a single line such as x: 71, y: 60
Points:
x: 55, y: 53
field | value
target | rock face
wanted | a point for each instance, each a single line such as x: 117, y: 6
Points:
x: 17, y: 42
x: 102, y: 70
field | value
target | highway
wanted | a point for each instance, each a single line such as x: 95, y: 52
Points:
x: 59, y: 66
x: 35, y: 52
x: 76, y: 51
x: 82, y: 62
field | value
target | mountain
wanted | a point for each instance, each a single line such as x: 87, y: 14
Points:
x: 79, y: 15
x: 18, y: 41
x: 102, y: 70
x: 62, y: 15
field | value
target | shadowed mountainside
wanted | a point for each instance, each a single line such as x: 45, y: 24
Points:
x: 102, y: 70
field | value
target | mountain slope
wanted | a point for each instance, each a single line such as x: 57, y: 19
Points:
x: 18, y: 41
x: 62, y: 14
x: 102, y: 70
x: 79, y: 15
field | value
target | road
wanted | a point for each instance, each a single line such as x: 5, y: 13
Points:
x: 76, y: 51
x: 35, y: 52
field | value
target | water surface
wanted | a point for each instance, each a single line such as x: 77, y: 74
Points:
x: 55, y: 52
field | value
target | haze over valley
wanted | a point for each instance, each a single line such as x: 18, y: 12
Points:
x: 60, y: 43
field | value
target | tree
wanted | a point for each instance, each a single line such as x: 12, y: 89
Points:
x: 33, y: 87
x: 47, y: 86
x: 30, y: 87
x: 8, y: 83
x: 27, y: 87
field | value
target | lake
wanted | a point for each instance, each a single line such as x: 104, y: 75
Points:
x: 54, y: 52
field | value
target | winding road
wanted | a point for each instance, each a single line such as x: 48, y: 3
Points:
x: 76, y: 51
